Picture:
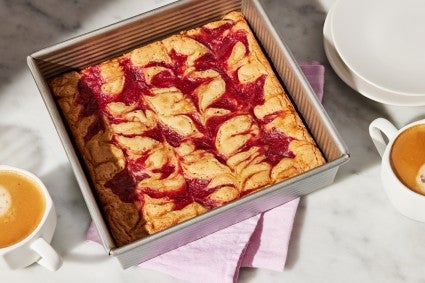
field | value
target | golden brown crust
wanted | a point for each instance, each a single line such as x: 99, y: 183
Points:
x: 166, y: 135
x: 102, y: 161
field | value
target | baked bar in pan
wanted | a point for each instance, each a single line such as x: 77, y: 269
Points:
x: 183, y: 125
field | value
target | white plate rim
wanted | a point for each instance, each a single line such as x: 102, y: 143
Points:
x: 344, y: 53
x: 360, y: 85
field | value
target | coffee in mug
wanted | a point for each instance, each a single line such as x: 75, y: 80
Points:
x: 22, y: 206
x: 408, y: 158
x: 27, y: 221
x: 403, y: 164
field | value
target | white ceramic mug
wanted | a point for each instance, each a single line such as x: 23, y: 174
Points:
x: 36, y: 246
x: 405, y: 200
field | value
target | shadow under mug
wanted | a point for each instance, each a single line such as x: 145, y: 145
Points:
x: 408, y: 202
x: 36, y: 246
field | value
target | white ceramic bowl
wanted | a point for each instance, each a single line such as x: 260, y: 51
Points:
x: 356, y: 82
x: 383, y: 42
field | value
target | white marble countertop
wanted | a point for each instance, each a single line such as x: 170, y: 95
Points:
x: 347, y: 232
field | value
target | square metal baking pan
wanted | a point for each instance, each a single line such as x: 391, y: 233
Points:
x: 116, y: 39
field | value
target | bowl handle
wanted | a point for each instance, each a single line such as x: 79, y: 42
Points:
x: 377, y: 129
x: 49, y: 257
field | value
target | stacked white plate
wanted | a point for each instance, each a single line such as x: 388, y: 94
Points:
x: 377, y: 47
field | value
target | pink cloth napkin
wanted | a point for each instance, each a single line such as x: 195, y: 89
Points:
x: 260, y: 241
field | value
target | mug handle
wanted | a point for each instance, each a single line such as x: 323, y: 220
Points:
x: 378, y: 127
x: 49, y: 257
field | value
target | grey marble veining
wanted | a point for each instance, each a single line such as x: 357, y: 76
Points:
x: 27, y: 26
x: 348, y: 232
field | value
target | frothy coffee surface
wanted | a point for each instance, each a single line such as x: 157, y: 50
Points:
x: 420, y: 178
x: 5, y: 201
x: 408, y: 158
x: 22, y: 205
